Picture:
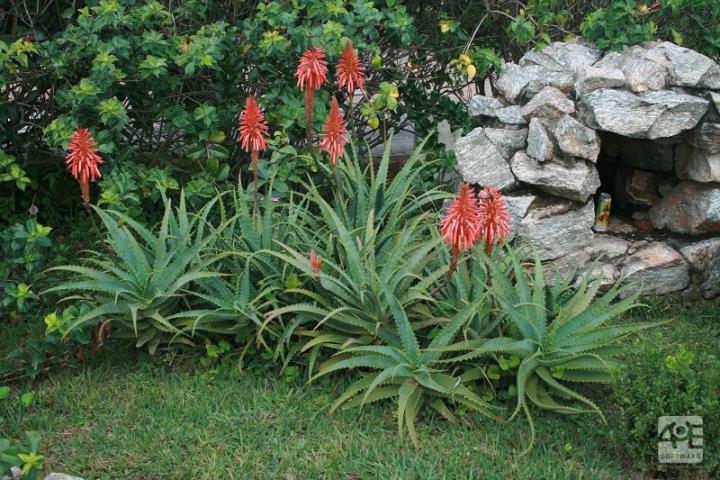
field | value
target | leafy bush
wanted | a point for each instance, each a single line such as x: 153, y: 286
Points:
x: 22, y: 247
x: 692, y: 23
x: 621, y: 23
x: 23, y: 456
x: 162, y: 86
x: 666, y: 378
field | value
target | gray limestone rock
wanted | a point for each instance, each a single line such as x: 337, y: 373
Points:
x: 635, y: 188
x: 656, y: 269
x: 563, y: 81
x: 481, y: 105
x: 577, y: 140
x: 512, y: 115
x: 715, y: 97
x: 606, y: 273
x: 572, y: 265
x: 696, y: 164
x: 514, y: 79
x: 508, y: 141
x: 644, y: 75
x: 607, y: 246
x: 592, y: 78
x: 706, y: 137
x: 480, y: 162
x: 651, y: 115
x: 686, y: 67
x: 573, y: 56
x: 558, y: 227
x: 575, y: 180
x: 517, y: 207
x: 549, y: 103
x: 539, y: 144
x: 704, y: 258
x: 641, y: 73
x: 690, y: 207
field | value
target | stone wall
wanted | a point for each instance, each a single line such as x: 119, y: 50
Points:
x: 647, y: 118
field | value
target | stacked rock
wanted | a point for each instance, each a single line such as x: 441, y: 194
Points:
x: 558, y: 112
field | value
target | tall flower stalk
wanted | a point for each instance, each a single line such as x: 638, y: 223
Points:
x: 334, y: 139
x: 350, y: 74
x: 311, y: 75
x: 82, y: 161
x: 253, y: 130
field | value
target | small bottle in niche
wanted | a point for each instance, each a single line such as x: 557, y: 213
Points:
x: 602, y: 212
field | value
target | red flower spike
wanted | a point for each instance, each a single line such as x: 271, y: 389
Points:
x: 349, y: 72
x: 334, y: 134
x: 315, y: 262
x: 253, y: 128
x: 311, y: 75
x: 494, y: 219
x: 312, y: 71
x: 460, y: 227
x: 82, y: 161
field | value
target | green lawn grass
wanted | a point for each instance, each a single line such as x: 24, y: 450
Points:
x: 127, y: 416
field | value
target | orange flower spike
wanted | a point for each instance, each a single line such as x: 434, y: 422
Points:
x: 460, y: 227
x: 315, y: 262
x: 349, y: 72
x: 253, y: 128
x: 312, y: 71
x: 494, y: 218
x: 82, y: 161
x: 334, y: 134
x: 311, y: 75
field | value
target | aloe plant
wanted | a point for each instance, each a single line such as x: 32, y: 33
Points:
x: 415, y: 376
x: 372, y: 240
x: 139, y: 285
x: 562, y: 336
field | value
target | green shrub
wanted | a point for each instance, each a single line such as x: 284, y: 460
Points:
x: 691, y: 23
x: 162, y: 85
x: 620, y: 23
x: 22, y: 247
x: 666, y: 378
x: 23, y: 456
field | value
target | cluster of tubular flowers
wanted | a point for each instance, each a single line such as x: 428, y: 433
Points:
x: 334, y: 135
x: 470, y: 219
x: 350, y: 73
x: 311, y: 74
x: 253, y: 131
x: 315, y: 262
x: 82, y: 161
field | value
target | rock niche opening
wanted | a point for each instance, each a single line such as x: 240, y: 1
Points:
x: 570, y: 122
